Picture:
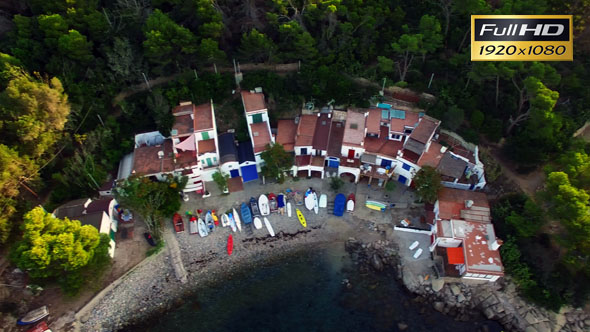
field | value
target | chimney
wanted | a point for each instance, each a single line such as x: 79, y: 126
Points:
x: 496, y: 244
x: 468, y: 204
x: 160, y: 154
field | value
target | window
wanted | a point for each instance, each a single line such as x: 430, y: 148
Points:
x: 303, y: 151
x: 406, y: 167
x: 205, y: 135
x: 256, y: 118
x: 408, y: 131
x: 209, y: 163
x: 396, y: 137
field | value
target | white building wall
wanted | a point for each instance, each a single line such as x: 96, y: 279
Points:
x: 229, y: 166
x: 310, y: 150
x: 358, y: 151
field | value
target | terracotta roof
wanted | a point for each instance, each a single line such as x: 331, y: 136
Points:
x: 305, y: 130
x: 147, y: 162
x: 183, y: 124
x: 354, y: 131
x: 477, y: 246
x: 100, y: 205
x: 184, y: 107
x: 186, y: 159
x: 431, y: 157
x: 286, y: 131
x: 253, y: 101
x: 303, y: 160
x: 451, y: 166
x: 205, y: 146
x: 374, y: 121
x: 382, y: 145
x: 452, y: 201
x: 336, y: 136
x: 260, y: 136
x: 398, y: 125
x: 410, y: 156
x: 321, y: 135
x: 203, y: 117
x: 425, y: 129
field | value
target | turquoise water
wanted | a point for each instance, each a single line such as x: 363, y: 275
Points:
x: 304, y: 292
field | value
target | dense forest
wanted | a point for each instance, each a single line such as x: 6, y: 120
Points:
x: 63, y: 62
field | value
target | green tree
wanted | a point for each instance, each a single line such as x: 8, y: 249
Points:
x: 53, y: 248
x: 121, y: 59
x: 75, y: 46
x: 33, y: 113
x: 296, y: 43
x: 221, y: 181
x: 427, y: 183
x: 209, y: 52
x: 166, y: 41
x: 336, y: 183
x: 257, y: 47
x: 53, y: 27
x: 24, y: 45
x: 454, y: 117
x: 152, y: 200
x: 276, y: 162
x: 528, y: 222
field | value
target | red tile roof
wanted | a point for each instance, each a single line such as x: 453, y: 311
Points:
x: 147, y: 162
x: 253, y: 101
x: 203, y: 117
x: 477, y: 247
x: 354, y: 131
x: 432, y: 157
x: 382, y: 145
x: 186, y: 159
x: 336, y: 136
x: 286, y: 131
x: 374, y: 121
x: 452, y: 201
x: 260, y: 136
x: 305, y: 130
x: 321, y: 134
x: 205, y: 146
x: 398, y: 125
x: 183, y: 124
x: 410, y: 156
x: 184, y: 107
x: 425, y: 129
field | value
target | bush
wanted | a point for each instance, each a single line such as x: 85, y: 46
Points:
x: 336, y: 183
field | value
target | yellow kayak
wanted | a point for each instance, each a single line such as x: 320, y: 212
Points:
x: 301, y: 218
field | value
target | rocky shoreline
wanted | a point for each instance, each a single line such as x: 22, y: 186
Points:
x: 497, y: 301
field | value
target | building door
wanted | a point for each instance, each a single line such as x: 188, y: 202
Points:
x: 249, y: 173
x: 234, y: 173
x: 256, y: 118
x: 350, y: 153
x: 209, y: 163
x: 385, y: 163
x: 402, y: 179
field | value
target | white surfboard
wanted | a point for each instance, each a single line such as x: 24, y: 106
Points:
x: 237, y: 220
x: 315, y: 203
x: 269, y: 227
x: 263, y: 205
x: 323, y: 200
x: 289, y: 209
x: 257, y: 223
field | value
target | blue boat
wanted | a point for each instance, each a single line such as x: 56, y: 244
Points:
x: 339, y: 205
x: 246, y: 214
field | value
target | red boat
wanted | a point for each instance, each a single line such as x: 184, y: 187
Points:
x: 178, y: 223
x: 41, y: 327
x: 350, y: 202
x: 230, y: 244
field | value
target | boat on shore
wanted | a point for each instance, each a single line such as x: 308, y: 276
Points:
x: 192, y: 225
x: 203, y: 231
x: 230, y: 245
x: 350, y: 202
x: 281, y: 203
x: 323, y: 203
x: 40, y: 327
x: 263, y: 205
x: 315, y: 203
x: 272, y: 203
x: 289, y: 209
x: 33, y: 316
x: 339, y: 205
x: 257, y: 223
x: 232, y: 222
x: 237, y: 220
x: 224, y: 220
x: 178, y: 223
x: 246, y: 214
x: 301, y: 218
x: 269, y: 228
x: 255, y: 210
x: 209, y: 220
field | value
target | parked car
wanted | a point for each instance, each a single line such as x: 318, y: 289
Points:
x: 150, y: 239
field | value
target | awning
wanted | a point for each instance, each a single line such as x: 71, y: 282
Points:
x: 187, y: 144
x: 455, y: 255
x: 369, y: 158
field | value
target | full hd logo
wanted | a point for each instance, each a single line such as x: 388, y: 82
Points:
x: 521, y: 38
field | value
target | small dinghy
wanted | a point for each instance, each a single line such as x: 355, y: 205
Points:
x: 232, y: 222
x: 281, y: 203
x: 257, y: 223
x: 301, y: 218
x: 255, y: 210
x: 178, y: 223
x: 192, y: 225
x: 339, y: 205
x: 237, y: 220
x: 33, y: 316
x: 246, y: 214
x: 309, y: 201
x: 323, y: 201
x: 215, y: 218
x: 230, y: 245
x: 269, y: 227
x: 209, y: 221
x: 289, y: 209
x: 350, y: 203
x: 224, y: 220
x: 263, y: 205
x: 40, y: 327
x: 203, y: 231
x: 272, y: 203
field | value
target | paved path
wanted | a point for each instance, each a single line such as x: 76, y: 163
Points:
x: 175, y: 258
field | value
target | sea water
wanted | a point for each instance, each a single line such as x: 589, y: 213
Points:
x: 304, y: 291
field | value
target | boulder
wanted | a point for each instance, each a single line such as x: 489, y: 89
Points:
x: 402, y: 326
x: 455, y: 289
x: 437, y: 284
x: 460, y: 298
x: 530, y: 329
x: 376, y: 262
x: 438, y: 306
